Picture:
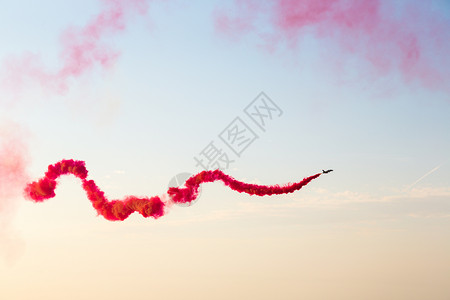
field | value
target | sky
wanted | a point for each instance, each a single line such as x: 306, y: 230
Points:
x: 139, y: 89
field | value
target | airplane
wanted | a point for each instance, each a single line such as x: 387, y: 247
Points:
x: 327, y: 171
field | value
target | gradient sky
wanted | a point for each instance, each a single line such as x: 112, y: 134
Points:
x: 376, y: 228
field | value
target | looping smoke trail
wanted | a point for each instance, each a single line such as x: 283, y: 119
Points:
x: 119, y: 210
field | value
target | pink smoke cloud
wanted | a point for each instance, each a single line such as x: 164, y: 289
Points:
x: 82, y: 49
x: 13, y: 163
x: 13, y: 176
x: 412, y: 39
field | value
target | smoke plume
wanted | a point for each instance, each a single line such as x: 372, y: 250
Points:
x: 119, y: 210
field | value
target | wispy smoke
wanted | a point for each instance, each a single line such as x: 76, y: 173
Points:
x: 82, y: 49
x: 410, y: 38
x: 119, y: 210
x: 13, y: 163
x: 13, y: 177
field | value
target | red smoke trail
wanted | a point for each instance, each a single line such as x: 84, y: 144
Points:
x: 412, y: 38
x: 82, y: 49
x: 117, y: 210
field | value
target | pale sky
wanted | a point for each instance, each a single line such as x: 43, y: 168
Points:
x: 376, y: 228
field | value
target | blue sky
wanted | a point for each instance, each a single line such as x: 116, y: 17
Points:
x: 175, y: 87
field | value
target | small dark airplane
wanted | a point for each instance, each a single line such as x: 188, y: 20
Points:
x: 327, y: 171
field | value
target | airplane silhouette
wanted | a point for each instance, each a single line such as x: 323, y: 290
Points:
x: 327, y: 171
